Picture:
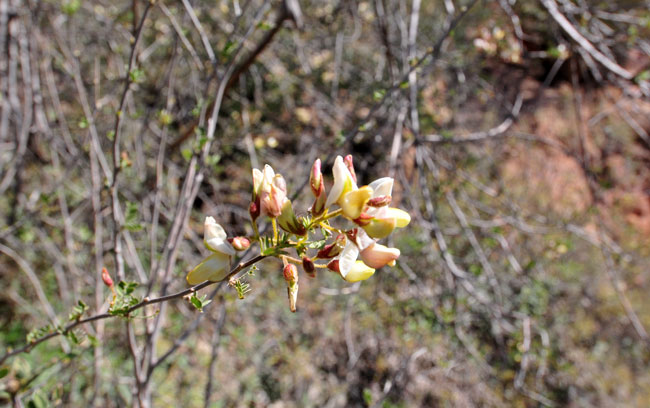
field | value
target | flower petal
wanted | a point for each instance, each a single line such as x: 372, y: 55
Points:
x: 258, y: 179
x: 213, y: 268
x: 382, y: 187
x: 343, y: 182
x: 359, y: 272
x: 401, y: 217
x: 347, y: 258
x: 353, y: 202
x: 217, y: 245
x: 377, y: 255
x: 380, y: 227
x: 214, y: 237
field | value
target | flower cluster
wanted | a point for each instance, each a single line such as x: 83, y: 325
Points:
x: 365, y: 212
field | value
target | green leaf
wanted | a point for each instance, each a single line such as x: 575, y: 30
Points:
x: 38, y: 400
x: 131, y: 217
x: 228, y: 49
x: 127, y: 287
x: 242, y: 288
x: 378, y: 94
x: 93, y: 340
x: 136, y: 75
x: 367, y: 396
x: 78, y: 311
x: 196, y: 302
x: 4, y: 371
x: 39, y: 332
x: 317, y: 244
x: 199, y: 302
x: 72, y: 336
x: 71, y: 7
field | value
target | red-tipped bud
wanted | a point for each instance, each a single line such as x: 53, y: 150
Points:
x: 352, y: 234
x: 291, y: 276
x: 240, y: 243
x: 380, y: 201
x: 348, y: 163
x: 316, y: 179
x: 254, y: 210
x: 290, y: 273
x: 363, y: 220
x: 106, y: 278
x: 308, y: 266
x: 333, y: 249
x: 333, y: 265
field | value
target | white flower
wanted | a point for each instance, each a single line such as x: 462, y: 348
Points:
x: 350, y: 268
x: 215, y: 237
x: 343, y: 182
x: 216, y: 267
x: 382, y: 187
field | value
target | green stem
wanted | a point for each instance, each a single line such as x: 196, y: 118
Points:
x: 275, y: 230
x: 255, y: 230
x: 325, y: 217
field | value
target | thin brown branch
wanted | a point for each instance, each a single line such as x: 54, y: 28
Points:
x: 145, y: 302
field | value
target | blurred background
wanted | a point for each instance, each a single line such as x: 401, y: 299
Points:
x: 518, y: 134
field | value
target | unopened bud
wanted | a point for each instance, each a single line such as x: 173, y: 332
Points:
x: 318, y: 207
x: 316, y: 179
x: 290, y: 273
x: 240, y: 243
x: 308, y: 266
x: 273, y: 199
x: 288, y: 221
x: 380, y: 201
x: 348, y: 163
x: 106, y: 278
x: 333, y: 249
x: 333, y: 265
x: 254, y: 210
x: 352, y: 234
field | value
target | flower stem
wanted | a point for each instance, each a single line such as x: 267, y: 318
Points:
x: 326, y: 217
x: 275, y: 230
x: 327, y: 227
x: 255, y: 230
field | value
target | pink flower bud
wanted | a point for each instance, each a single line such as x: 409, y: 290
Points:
x: 254, y: 210
x: 348, y: 163
x: 240, y: 243
x: 273, y: 199
x: 308, y: 266
x: 316, y: 179
x: 290, y: 274
x: 106, y: 277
